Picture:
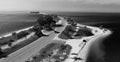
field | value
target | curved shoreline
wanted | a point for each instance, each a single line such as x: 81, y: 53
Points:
x: 91, y: 39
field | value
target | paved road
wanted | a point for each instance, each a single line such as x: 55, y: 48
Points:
x: 27, y: 51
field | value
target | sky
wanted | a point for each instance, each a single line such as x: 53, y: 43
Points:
x: 61, y: 5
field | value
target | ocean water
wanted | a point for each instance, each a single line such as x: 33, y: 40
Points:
x: 12, y: 22
x: 108, y: 49
x: 110, y: 45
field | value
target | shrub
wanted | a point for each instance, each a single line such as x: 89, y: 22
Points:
x: 84, y: 32
x: 22, y: 34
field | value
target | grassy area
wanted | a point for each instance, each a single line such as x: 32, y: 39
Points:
x: 52, y: 53
x: 8, y: 41
x: 20, y: 35
x: 20, y: 45
x: 66, y: 34
x: 17, y: 36
x: 84, y: 32
x: 70, y: 30
x: 5, y: 40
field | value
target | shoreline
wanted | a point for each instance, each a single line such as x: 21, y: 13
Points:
x: 91, y: 39
x: 76, y: 45
x: 17, y: 31
x: 33, y: 47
